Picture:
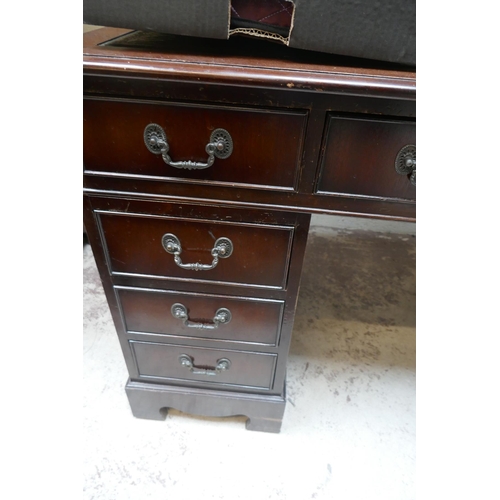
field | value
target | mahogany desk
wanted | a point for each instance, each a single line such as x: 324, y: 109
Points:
x: 203, y: 162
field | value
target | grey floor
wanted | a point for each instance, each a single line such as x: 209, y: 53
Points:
x: 349, y: 426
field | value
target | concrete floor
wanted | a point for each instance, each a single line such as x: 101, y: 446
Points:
x: 349, y: 426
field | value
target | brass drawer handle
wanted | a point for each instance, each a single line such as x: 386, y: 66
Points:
x: 222, y: 316
x: 223, y: 364
x: 223, y: 248
x: 406, y: 163
x: 220, y: 146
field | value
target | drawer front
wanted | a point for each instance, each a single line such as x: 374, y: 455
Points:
x: 133, y: 243
x: 171, y: 362
x: 267, y: 144
x: 213, y: 317
x: 360, y: 155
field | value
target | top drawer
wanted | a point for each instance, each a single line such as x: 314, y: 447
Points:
x: 254, y: 255
x: 359, y: 158
x: 267, y: 144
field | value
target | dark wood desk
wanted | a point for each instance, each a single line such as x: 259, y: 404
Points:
x: 203, y: 161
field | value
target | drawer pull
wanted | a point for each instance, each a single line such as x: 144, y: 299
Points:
x: 222, y: 316
x: 223, y: 248
x: 223, y: 364
x: 220, y: 146
x: 406, y: 163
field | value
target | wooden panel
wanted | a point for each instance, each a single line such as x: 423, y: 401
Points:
x: 253, y: 320
x: 359, y: 158
x: 267, y: 144
x: 134, y: 247
x: 161, y: 361
x: 249, y: 63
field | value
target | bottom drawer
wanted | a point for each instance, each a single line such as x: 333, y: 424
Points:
x: 213, y: 366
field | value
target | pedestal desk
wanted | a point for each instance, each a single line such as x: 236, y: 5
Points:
x: 203, y: 162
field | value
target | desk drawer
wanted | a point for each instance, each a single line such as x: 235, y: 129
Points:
x: 211, y: 317
x: 135, y: 246
x: 267, y: 144
x: 208, y: 366
x: 359, y: 158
